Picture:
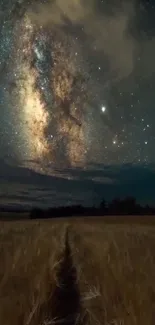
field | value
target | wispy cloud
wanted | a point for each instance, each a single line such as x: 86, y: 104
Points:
x: 83, y: 187
x: 109, y: 32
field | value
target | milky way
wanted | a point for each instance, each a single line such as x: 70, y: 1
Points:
x: 72, y: 84
x: 53, y: 93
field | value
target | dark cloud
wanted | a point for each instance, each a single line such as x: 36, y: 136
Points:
x: 108, y: 32
x: 84, y: 187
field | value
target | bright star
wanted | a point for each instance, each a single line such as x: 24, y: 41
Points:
x: 103, y: 109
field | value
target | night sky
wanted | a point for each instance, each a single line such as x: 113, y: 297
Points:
x: 77, y: 100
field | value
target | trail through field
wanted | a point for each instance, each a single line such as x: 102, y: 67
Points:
x: 66, y: 296
x: 64, y: 304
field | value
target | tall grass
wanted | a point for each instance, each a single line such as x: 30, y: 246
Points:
x: 116, y: 273
x: 114, y: 265
x: 29, y: 255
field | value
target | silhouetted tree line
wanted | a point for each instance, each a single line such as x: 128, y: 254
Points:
x: 126, y: 206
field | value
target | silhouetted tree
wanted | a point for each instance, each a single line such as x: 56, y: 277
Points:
x: 103, y: 206
x: 36, y: 213
x: 126, y: 206
x: 114, y: 206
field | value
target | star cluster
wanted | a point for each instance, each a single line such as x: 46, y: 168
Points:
x: 76, y: 87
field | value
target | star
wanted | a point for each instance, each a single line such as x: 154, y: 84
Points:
x: 103, y: 109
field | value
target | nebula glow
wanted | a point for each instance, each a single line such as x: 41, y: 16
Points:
x: 34, y: 115
x: 51, y: 96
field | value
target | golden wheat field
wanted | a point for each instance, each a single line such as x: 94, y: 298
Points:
x: 62, y: 272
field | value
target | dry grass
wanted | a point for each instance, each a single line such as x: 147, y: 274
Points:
x: 115, y: 267
x: 29, y: 256
x: 116, y: 273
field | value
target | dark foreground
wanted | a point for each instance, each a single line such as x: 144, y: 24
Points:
x: 77, y: 272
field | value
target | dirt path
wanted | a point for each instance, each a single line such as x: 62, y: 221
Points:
x: 66, y: 296
x: 64, y: 303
